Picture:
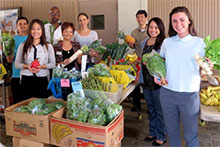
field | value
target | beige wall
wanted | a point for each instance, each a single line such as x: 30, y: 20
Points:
x: 39, y: 8
x: 205, y: 13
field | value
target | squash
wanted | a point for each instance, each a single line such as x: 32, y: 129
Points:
x: 129, y: 39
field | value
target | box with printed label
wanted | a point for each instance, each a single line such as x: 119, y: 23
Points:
x: 19, y: 142
x: 66, y: 133
x: 28, y: 126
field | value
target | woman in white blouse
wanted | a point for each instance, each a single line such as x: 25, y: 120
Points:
x: 34, y: 80
x: 84, y: 35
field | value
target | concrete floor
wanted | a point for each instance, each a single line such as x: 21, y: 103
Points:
x: 136, y: 130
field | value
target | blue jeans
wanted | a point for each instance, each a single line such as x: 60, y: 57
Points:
x: 157, y: 127
x: 182, y: 106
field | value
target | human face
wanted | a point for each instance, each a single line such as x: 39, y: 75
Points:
x: 36, y: 31
x: 141, y: 19
x: 67, y: 33
x: 180, y: 23
x: 54, y: 15
x: 83, y: 21
x: 153, y: 30
x: 22, y: 26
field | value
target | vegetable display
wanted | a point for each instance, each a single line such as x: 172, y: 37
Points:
x: 212, y: 51
x: 116, y: 50
x: 39, y: 106
x: 61, y: 72
x: 97, y: 111
x: 155, y: 65
x: 8, y: 44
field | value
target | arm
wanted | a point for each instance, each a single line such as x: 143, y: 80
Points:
x: 18, y: 60
x: 51, y: 59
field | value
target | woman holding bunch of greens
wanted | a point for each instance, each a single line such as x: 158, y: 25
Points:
x: 156, y: 33
x: 34, y: 78
x: 66, y: 48
x: 180, y: 97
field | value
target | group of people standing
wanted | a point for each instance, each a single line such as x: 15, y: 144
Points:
x: 167, y: 104
x: 178, y: 101
x: 33, y: 42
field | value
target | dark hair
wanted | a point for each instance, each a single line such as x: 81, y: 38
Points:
x: 82, y: 13
x: 20, y: 18
x: 161, y: 27
x: 141, y: 12
x: 171, y: 31
x: 66, y: 25
x: 54, y: 7
x: 29, y: 42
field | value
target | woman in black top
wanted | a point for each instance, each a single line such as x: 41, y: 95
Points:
x: 66, y: 48
x: 156, y: 33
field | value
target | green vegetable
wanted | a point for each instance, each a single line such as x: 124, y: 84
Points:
x: 112, y: 111
x: 95, y: 44
x: 24, y: 109
x: 85, y: 49
x: 97, y: 117
x: 100, y: 49
x: 99, y: 70
x: 8, y: 44
x: 155, y: 65
x: 212, y: 51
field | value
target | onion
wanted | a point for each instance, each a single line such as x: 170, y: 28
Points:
x: 197, y: 56
x: 204, y: 65
x: 209, y: 73
x: 207, y: 69
x: 203, y: 72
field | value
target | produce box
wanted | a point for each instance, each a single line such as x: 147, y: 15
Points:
x: 113, y: 95
x: 28, y: 126
x: 65, y: 132
x: 19, y: 142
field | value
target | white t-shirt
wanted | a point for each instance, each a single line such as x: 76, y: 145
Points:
x: 182, y: 70
x: 85, y: 40
x: 57, y: 33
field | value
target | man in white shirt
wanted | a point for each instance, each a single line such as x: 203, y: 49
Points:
x: 53, y: 29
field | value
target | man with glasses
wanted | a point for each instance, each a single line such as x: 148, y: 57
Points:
x: 53, y: 29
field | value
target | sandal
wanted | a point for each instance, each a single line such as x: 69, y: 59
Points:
x: 155, y: 143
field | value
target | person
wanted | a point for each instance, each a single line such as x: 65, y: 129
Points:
x: 180, y: 97
x: 85, y: 36
x: 151, y: 90
x: 66, y: 48
x: 22, y: 27
x: 53, y: 29
x: 139, y: 34
x: 34, y: 79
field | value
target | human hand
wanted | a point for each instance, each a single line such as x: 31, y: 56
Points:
x: 131, y: 45
x: 66, y: 61
x: 162, y: 81
x: 79, y: 59
x: 93, y: 53
x: 9, y: 59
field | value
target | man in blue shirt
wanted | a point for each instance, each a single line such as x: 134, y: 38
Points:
x: 22, y: 27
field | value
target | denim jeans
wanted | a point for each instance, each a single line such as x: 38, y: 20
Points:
x: 182, y: 106
x: 156, y: 122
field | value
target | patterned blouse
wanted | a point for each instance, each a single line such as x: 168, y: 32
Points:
x: 61, y: 55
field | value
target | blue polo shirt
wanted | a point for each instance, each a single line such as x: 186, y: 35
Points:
x: 18, y: 41
x: 182, y: 70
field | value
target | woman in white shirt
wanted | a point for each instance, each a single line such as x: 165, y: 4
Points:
x: 84, y: 35
x: 34, y: 80
x: 180, y: 97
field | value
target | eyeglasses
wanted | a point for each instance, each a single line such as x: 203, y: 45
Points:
x: 53, y: 14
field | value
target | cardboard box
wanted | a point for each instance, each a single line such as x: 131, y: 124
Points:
x: 19, y: 142
x: 28, y: 126
x: 69, y: 133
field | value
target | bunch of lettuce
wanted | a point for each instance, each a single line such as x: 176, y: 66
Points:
x: 61, y: 72
x: 39, y: 106
x: 212, y: 51
x: 155, y: 65
x: 95, y: 111
x: 8, y: 44
x: 77, y: 107
x: 99, y: 70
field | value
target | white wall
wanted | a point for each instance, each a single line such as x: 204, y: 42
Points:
x: 126, y: 14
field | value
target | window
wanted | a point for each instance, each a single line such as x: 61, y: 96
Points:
x: 97, y: 22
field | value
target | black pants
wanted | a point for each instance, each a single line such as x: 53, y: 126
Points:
x: 136, y: 95
x: 16, y: 90
x: 33, y: 86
